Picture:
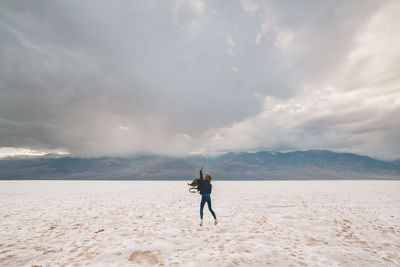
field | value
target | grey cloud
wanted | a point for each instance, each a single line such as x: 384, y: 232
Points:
x: 72, y: 72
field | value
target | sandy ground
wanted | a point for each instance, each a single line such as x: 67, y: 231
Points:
x: 277, y: 223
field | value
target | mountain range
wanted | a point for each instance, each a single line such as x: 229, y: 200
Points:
x: 262, y: 165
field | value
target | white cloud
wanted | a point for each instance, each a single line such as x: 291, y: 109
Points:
x: 249, y: 6
x: 264, y: 29
x: 190, y: 15
x: 281, y: 36
x: 197, y: 6
x: 230, y: 40
x: 231, y: 44
x: 375, y: 59
x: 29, y: 152
x: 323, y: 119
x: 284, y: 38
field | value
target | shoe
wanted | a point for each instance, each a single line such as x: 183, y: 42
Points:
x: 201, y: 222
x: 216, y: 222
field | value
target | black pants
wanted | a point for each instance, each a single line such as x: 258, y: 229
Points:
x: 202, y: 203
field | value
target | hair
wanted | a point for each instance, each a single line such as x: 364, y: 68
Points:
x: 208, y: 177
x: 195, y: 182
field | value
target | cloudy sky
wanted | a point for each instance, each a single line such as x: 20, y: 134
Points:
x: 178, y: 77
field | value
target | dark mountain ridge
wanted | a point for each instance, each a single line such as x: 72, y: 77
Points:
x: 263, y: 165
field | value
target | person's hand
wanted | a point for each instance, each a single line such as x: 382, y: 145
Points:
x: 202, y: 167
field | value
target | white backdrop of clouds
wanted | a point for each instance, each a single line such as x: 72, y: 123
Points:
x: 177, y: 77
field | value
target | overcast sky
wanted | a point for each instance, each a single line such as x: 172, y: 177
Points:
x: 178, y: 77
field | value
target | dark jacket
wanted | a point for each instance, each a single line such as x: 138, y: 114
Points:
x: 204, y: 186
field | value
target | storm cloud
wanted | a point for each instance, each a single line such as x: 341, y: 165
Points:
x: 177, y: 77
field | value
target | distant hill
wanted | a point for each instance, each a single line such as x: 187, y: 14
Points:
x: 263, y: 165
x: 396, y: 162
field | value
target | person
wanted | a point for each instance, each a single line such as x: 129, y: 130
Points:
x: 205, y: 191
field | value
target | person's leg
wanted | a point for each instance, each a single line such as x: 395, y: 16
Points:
x: 209, y: 207
x: 202, y: 203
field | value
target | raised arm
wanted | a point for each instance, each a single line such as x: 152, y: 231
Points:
x: 201, y: 173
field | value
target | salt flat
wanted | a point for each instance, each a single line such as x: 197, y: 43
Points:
x: 138, y: 223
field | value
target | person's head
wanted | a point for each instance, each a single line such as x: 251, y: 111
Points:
x: 208, y: 177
